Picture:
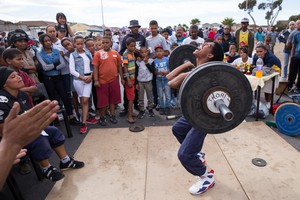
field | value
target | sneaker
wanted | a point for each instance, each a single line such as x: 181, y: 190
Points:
x: 53, y: 174
x: 92, y: 112
x: 24, y: 167
x: 201, y: 157
x: 91, y: 121
x: 151, y: 113
x: 141, y: 115
x: 113, y: 119
x: 83, y: 129
x: 161, y: 111
x: 156, y: 107
x: 291, y: 89
x: 102, y: 121
x: 205, y: 182
x: 297, y: 91
x: 167, y: 111
x: 75, y: 122
x: 123, y: 113
x: 72, y: 164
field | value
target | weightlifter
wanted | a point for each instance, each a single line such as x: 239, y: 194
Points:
x: 191, y: 140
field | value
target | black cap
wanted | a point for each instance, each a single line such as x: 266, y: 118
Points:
x: 134, y: 23
x: 19, y: 36
x: 4, y: 74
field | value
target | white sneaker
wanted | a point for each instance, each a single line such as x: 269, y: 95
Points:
x: 205, y: 182
x: 268, y: 104
x: 201, y: 156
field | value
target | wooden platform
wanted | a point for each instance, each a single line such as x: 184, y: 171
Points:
x: 121, y: 165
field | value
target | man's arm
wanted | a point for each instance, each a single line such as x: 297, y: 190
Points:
x: 17, y: 132
x: 174, y: 73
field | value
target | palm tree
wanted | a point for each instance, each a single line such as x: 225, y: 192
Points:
x: 195, y: 21
x: 228, y: 21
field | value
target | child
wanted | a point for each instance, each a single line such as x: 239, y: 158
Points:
x: 144, y: 73
x: 98, y: 45
x: 218, y: 38
x: 81, y: 68
x: 162, y: 69
x: 243, y: 60
x: 231, y: 54
x: 268, y: 43
x: 62, y: 24
x: 107, y: 66
x: 129, y: 76
x: 14, y: 58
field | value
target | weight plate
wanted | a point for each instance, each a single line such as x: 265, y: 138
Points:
x: 136, y: 128
x: 182, y: 54
x: 218, y: 76
x: 287, y: 119
x: 259, y: 162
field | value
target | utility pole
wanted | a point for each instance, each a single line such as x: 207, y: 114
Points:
x: 102, y: 13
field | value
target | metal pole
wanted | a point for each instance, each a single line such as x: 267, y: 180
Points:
x: 102, y: 14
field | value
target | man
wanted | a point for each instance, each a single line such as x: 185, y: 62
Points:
x: 191, y: 139
x: 283, y: 37
x: 227, y: 38
x: 269, y: 60
x: 178, y: 37
x: 295, y: 60
x: 194, y: 36
x: 273, y: 35
x: 140, y: 42
x: 244, y: 37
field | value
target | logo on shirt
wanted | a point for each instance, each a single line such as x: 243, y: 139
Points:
x: 3, y: 99
x: 103, y: 55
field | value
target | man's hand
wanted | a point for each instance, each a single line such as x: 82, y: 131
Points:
x: 22, y: 129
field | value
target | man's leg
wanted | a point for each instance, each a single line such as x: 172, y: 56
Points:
x: 285, y: 65
x: 292, y: 72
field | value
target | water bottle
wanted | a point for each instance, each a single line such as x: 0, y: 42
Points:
x: 259, y: 67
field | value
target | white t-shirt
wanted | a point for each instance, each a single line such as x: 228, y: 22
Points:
x: 239, y: 61
x: 188, y: 40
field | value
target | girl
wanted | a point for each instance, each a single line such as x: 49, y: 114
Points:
x: 243, y: 60
x: 81, y: 68
x: 231, y: 55
x: 62, y: 24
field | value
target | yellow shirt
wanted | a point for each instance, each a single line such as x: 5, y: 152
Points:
x: 243, y: 38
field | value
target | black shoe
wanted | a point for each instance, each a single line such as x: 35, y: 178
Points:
x: 141, y: 115
x: 123, y: 113
x: 113, y: 119
x: 102, y: 121
x: 167, y: 111
x: 72, y: 164
x: 156, y: 107
x: 161, y: 111
x: 151, y: 113
x: 24, y: 167
x: 53, y: 174
x: 92, y: 112
x: 75, y: 122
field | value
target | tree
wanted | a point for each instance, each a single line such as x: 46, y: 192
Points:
x: 294, y: 17
x: 228, y: 21
x: 248, y: 6
x: 185, y: 27
x: 195, y: 21
x: 273, y: 8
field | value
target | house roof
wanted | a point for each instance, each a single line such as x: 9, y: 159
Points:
x: 37, y: 23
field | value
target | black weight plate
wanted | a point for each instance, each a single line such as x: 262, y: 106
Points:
x: 204, y: 78
x: 136, y: 128
x: 181, y: 54
x: 259, y: 162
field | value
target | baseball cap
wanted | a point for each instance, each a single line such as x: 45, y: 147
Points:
x: 158, y: 46
x: 245, y: 20
x: 19, y: 36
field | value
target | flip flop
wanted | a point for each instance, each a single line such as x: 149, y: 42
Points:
x: 131, y: 122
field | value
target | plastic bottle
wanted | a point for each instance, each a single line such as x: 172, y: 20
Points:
x: 259, y: 67
x: 172, y: 117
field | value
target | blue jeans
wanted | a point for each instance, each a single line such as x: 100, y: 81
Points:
x: 286, y: 57
x: 163, y: 89
x: 191, y: 141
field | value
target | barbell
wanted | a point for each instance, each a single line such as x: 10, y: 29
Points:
x: 214, y: 97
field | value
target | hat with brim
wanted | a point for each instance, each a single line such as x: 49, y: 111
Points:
x: 134, y: 23
x: 19, y: 36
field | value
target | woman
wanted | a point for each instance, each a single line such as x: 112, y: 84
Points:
x: 19, y: 41
x: 259, y: 36
x: 52, y: 63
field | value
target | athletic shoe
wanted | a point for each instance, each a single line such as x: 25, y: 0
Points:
x: 53, y: 174
x: 91, y: 121
x: 92, y: 112
x: 72, y: 164
x: 201, y: 157
x: 141, y: 115
x: 123, y: 113
x: 102, y: 121
x: 205, y: 182
x: 297, y: 91
x: 151, y: 113
x: 113, y: 119
x: 83, y: 129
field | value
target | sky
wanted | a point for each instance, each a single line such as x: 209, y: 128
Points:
x: 118, y: 13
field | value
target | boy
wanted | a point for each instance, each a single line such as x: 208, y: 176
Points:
x: 107, y: 66
x: 162, y: 69
x: 129, y: 76
x: 191, y: 140
x: 50, y: 138
x: 144, y: 73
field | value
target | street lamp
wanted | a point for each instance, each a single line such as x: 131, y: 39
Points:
x: 102, y: 13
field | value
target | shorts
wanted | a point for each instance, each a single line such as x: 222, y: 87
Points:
x: 41, y: 148
x: 82, y: 89
x: 108, y: 93
x: 130, y: 92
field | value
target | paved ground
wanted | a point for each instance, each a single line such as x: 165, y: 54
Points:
x: 34, y: 189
